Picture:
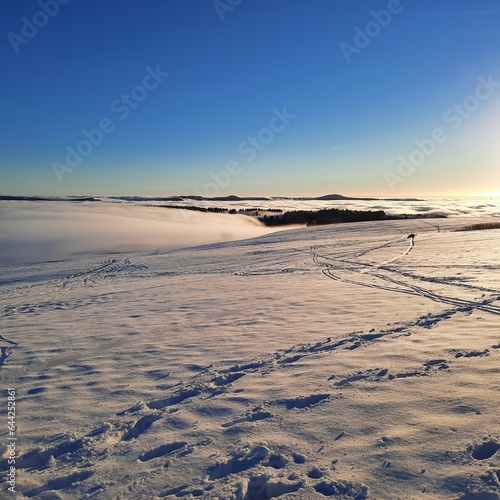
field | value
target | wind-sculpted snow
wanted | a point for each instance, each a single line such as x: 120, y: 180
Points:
x: 311, y: 363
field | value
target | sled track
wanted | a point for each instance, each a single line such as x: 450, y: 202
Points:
x: 406, y: 287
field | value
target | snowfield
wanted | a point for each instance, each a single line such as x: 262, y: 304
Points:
x: 335, y: 361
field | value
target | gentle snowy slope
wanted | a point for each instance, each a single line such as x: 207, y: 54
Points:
x: 334, y: 361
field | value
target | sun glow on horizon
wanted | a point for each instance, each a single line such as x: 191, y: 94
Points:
x: 492, y: 194
x: 477, y: 194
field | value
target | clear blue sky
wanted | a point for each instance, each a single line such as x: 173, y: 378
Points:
x: 356, y: 102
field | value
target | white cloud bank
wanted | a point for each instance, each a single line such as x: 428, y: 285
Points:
x: 38, y: 231
x: 48, y: 230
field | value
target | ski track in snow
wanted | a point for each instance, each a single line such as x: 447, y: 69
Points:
x: 70, y: 464
x: 404, y: 286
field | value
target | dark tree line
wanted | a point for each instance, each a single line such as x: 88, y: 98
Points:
x: 324, y: 216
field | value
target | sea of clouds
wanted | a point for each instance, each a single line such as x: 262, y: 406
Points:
x: 41, y: 231
x: 37, y: 231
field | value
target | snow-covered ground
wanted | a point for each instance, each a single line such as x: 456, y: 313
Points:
x: 329, y: 361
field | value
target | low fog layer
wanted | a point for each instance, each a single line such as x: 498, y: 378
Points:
x: 45, y: 230
x: 38, y: 231
x: 473, y: 207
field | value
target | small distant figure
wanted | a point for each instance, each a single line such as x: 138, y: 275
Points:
x: 411, y: 237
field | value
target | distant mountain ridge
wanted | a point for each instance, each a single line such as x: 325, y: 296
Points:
x: 333, y: 197
x: 232, y: 197
x: 50, y: 198
x: 340, y: 197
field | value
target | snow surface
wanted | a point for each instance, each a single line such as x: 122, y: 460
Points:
x: 335, y: 361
